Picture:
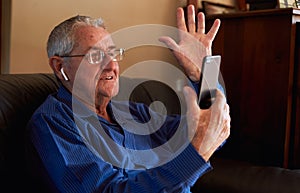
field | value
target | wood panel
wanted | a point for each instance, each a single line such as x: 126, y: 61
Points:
x: 258, y: 69
x: 295, y: 135
x: 0, y: 36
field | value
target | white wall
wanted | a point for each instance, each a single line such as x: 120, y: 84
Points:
x: 32, y: 20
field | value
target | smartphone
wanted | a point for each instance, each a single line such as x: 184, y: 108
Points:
x: 209, y: 80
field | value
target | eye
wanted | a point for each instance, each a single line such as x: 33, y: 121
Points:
x: 96, y: 56
x: 111, y: 53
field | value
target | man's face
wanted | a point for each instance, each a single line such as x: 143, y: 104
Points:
x: 93, y: 81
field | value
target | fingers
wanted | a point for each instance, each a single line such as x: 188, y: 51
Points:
x: 220, y: 103
x: 181, y: 20
x: 201, y: 23
x: 227, y: 118
x: 191, y: 19
x: 220, y: 99
x: 191, y: 26
x: 226, y: 123
x: 214, y: 29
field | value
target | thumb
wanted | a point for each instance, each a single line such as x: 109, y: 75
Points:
x: 190, y: 97
x: 192, y: 111
x: 169, y: 42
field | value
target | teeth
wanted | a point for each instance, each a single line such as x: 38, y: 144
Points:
x: 109, y: 78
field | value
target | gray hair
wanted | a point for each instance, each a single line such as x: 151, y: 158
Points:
x: 61, y: 40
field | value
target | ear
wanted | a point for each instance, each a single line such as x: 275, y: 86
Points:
x: 55, y: 63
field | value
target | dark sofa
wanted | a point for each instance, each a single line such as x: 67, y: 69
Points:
x: 21, y: 94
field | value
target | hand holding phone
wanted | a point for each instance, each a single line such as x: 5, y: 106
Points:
x: 209, y: 80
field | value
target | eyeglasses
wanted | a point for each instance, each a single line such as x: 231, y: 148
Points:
x: 97, y: 56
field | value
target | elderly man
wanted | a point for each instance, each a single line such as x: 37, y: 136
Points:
x: 87, y: 142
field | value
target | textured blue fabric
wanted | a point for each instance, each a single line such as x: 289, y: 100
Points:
x: 69, y: 140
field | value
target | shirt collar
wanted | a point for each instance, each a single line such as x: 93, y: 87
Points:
x: 81, y: 110
x: 73, y: 103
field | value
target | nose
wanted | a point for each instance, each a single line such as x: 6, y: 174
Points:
x: 109, y: 64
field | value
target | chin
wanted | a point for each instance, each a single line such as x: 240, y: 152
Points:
x: 115, y: 92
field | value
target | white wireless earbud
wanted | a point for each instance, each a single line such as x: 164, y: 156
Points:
x: 63, y: 74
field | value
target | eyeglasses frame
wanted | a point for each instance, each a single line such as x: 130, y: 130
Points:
x: 103, y: 53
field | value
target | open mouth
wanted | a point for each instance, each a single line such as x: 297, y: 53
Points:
x: 108, y: 78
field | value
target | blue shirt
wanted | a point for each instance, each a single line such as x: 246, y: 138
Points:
x: 82, y: 152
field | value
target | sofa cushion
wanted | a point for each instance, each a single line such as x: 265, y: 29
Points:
x: 234, y: 176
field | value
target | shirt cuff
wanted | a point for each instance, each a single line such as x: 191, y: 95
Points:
x: 189, y: 165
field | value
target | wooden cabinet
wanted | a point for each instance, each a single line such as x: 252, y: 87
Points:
x: 260, y: 67
x: 0, y: 35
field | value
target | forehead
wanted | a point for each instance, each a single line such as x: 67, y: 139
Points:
x: 92, y: 37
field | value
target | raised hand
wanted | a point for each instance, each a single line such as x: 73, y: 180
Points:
x: 194, y: 44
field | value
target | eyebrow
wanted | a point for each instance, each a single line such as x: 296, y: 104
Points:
x: 111, y: 47
x: 98, y: 48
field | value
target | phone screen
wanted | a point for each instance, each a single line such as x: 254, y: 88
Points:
x: 209, y: 80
